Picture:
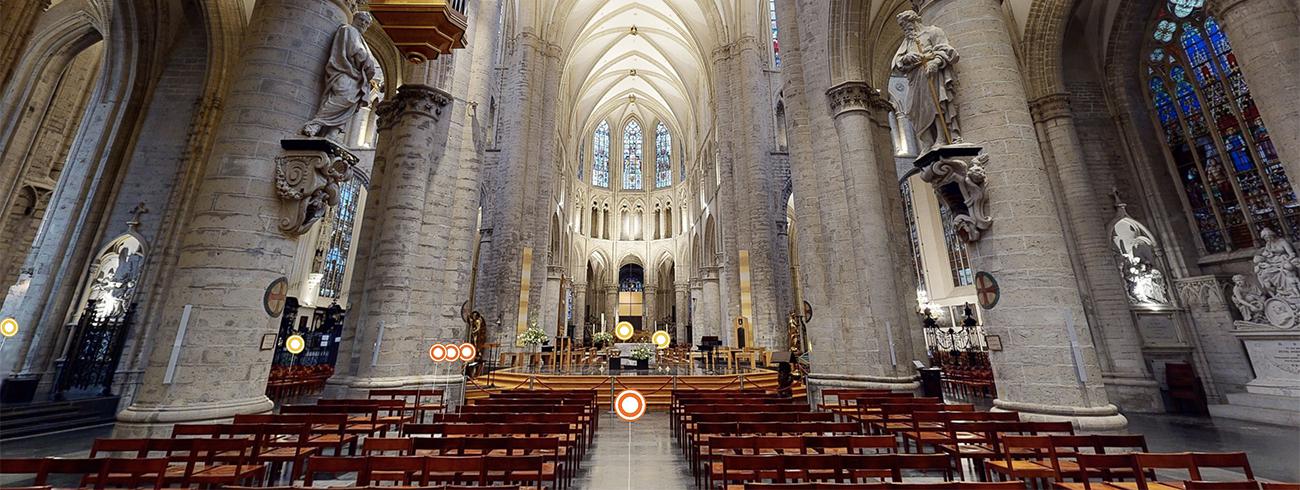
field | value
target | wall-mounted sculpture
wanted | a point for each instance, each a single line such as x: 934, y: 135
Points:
x: 1276, y: 301
x: 955, y: 169
x: 353, y: 79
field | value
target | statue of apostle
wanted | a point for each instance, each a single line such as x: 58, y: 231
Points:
x: 927, y: 59
x: 352, y: 78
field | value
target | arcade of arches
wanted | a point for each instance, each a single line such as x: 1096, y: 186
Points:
x: 681, y: 165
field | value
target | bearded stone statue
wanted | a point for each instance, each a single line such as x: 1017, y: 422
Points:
x: 353, y: 79
x: 927, y: 59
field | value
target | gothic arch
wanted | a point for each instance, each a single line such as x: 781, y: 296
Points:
x: 1041, y: 48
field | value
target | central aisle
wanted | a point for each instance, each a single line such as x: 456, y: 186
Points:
x: 655, y: 461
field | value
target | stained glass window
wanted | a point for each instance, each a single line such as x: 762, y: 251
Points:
x: 600, y: 156
x: 1227, y: 166
x: 663, y: 156
x: 958, y: 259
x: 776, y: 45
x: 582, y: 158
x: 913, y: 235
x: 632, y: 156
x: 338, y: 235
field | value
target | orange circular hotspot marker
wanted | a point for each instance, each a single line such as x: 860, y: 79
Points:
x: 468, y: 352
x: 295, y: 344
x: 453, y: 353
x: 438, y: 352
x: 629, y: 405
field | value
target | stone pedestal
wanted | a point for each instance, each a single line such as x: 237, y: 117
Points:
x: 1273, y: 397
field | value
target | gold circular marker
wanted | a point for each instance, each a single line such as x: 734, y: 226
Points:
x: 661, y: 339
x: 295, y: 344
x: 8, y: 327
x: 624, y: 330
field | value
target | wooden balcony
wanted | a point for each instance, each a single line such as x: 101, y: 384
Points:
x: 422, y: 29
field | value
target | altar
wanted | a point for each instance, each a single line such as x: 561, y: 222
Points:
x: 625, y: 351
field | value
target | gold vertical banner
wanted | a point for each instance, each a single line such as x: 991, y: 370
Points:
x: 525, y: 281
x: 746, y: 297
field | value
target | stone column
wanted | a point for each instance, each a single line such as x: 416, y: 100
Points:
x: 881, y: 314
x: 649, y: 315
x: 580, y: 311
x: 1039, y: 372
x: 397, y: 272
x: 1265, y: 36
x: 696, y: 301
x: 1119, y: 345
x: 611, y: 307
x: 681, y: 302
x: 232, y: 249
x: 552, y: 294
x: 710, y: 306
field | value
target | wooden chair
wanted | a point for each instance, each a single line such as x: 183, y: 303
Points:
x: 1279, y: 486
x: 336, y: 466
x: 522, y: 470
x: 467, y: 470
x: 1149, y: 462
x: 747, y: 468
x: 93, y: 471
x: 1108, y: 468
x: 1234, y: 460
x: 209, y: 461
x: 383, y: 446
x: 135, y: 472
x: 400, y: 470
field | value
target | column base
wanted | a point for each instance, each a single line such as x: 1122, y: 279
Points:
x: 358, y: 387
x: 817, y: 382
x: 140, y: 421
x: 1085, y: 419
x: 1140, y: 395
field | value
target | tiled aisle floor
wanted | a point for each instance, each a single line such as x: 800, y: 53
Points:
x: 655, y: 462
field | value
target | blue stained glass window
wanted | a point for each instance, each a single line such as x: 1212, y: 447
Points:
x: 600, y: 156
x: 632, y: 156
x: 1229, y: 170
x: 338, y: 236
x: 582, y: 157
x: 663, y: 156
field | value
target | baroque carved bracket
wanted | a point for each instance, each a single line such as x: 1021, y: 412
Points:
x: 957, y: 174
x: 307, y: 179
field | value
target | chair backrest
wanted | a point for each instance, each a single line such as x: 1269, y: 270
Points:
x: 1235, y: 460
x: 383, y: 446
x: 1279, y: 486
x: 136, y: 472
x: 743, y: 468
x: 1167, y: 462
x: 138, y: 447
x: 455, y: 469
x: 93, y: 470
x: 1120, y: 443
x: 1108, y: 467
x: 526, y: 470
x: 409, y: 470
x: 336, y: 465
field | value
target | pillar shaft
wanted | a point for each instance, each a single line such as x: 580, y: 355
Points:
x: 1119, y: 346
x: 397, y: 261
x: 1043, y: 371
x: 232, y: 248
x: 1265, y: 36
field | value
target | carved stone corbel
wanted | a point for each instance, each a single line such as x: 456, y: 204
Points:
x: 957, y: 174
x: 307, y: 179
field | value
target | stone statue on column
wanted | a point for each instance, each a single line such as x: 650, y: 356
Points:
x: 927, y: 59
x: 353, y: 79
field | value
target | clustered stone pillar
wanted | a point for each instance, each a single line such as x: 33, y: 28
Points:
x: 1119, y: 346
x: 1042, y: 371
x: 232, y: 248
x: 396, y: 265
x: 1265, y: 38
x: 882, y: 320
x: 711, y: 318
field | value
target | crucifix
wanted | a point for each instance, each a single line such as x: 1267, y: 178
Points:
x: 138, y: 210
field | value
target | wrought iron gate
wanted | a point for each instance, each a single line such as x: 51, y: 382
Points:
x: 96, y: 349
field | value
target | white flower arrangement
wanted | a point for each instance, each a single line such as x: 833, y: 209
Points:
x: 602, y: 338
x: 533, y: 335
x: 643, y: 353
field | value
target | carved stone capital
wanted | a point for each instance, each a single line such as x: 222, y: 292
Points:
x: 856, y: 96
x: 412, y: 100
x: 307, y: 178
x: 957, y: 174
x: 1049, y: 107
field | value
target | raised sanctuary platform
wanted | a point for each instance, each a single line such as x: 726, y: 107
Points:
x: 657, y: 386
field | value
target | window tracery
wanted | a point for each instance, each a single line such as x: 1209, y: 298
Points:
x: 600, y: 156
x: 632, y: 156
x: 663, y: 157
x: 1224, y: 158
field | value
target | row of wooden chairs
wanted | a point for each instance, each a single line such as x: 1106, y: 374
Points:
x: 948, y: 485
x: 525, y: 470
x: 286, y: 382
x: 721, y: 446
x: 841, y: 468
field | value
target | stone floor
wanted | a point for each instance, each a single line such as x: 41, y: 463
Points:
x: 649, y: 459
